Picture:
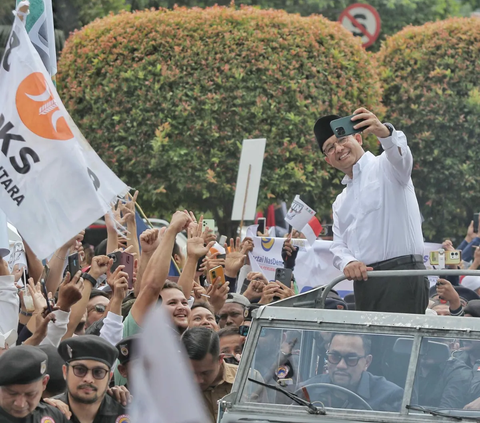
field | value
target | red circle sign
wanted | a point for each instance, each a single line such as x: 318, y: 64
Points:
x: 362, y: 20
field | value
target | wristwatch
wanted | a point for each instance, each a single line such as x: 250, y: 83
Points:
x: 390, y: 128
x: 89, y: 278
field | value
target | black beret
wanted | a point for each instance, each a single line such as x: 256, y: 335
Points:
x: 247, y: 315
x: 88, y: 347
x: 55, y: 363
x: 473, y: 308
x: 125, y: 348
x: 22, y: 365
x: 322, y: 129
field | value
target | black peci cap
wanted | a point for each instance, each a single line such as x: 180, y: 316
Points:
x: 322, y: 129
x: 88, y: 347
x: 22, y: 365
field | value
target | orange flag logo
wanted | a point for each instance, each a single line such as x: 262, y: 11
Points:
x: 39, y: 110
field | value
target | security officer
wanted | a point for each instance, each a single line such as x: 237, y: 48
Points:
x: 23, y: 378
x: 125, y: 353
x: 88, y: 370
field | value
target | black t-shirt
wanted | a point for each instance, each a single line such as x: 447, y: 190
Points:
x: 44, y: 413
x: 110, y: 411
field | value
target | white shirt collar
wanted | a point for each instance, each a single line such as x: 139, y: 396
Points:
x: 366, y: 158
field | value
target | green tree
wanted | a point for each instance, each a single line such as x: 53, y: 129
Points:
x: 167, y: 97
x: 431, y: 91
x: 394, y: 14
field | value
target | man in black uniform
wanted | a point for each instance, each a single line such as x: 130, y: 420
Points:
x: 23, y: 378
x: 88, y: 370
x: 125, y: 353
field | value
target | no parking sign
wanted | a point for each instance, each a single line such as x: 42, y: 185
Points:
x: 362, y: 20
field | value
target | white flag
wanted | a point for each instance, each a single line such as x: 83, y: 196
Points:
x: 40, y: 28
x: 299, y: 214
x: 163, y: 384
x: 52, y: 183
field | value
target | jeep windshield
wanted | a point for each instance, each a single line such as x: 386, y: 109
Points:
x: 358, y: 366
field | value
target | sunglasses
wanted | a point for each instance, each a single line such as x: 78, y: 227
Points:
x: 98, y: 308
x: 98, y: 373
x: 351, y: 360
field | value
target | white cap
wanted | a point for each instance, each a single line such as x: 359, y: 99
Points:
x: 471, y: 282
x: 8, y: 338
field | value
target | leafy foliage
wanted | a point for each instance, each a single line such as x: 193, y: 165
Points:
x: 432, y: 93
x: 395, y: 14
x: 166, y: 98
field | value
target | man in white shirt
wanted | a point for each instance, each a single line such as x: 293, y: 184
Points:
x: 376, y: 218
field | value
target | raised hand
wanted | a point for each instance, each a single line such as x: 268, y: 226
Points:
x: 254, y: 289
x: 180, y: 221
x: 99, y: 266
x: 235, y: 259
x: 195, y: 244
x: 70, y: 291
x: 371, y: 124
x: 218, y: 294
x: 150, y: 240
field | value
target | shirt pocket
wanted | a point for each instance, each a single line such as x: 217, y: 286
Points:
x: 371, y: 197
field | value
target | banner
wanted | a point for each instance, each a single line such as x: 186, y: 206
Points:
x: 299, y: 214
x: 41, y: 31
x: 314, y: 264
x: 52, y: 183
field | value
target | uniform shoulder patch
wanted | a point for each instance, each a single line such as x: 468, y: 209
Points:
x: 124, y: 418
x: 47, y: 419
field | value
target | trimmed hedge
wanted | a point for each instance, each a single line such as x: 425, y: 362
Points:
x: 431, y: 91
x: 395, y: 15
x: 166, y: 98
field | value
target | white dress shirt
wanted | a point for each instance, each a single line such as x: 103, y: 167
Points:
x: 376, y: 217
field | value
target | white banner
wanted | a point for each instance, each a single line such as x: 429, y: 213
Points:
x: 314, y: 264
x: 52, y: 183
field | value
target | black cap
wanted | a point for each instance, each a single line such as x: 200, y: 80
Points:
x: 247, y: 315
x: 55, y: 363
x: 473, y: 308
x: 88, y: 347
x: 322, y: 129
x: 22, y: 365
x: 125, y: 348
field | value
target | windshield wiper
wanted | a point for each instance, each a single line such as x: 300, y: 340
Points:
x: 453, y: 414
x: 312, y: 409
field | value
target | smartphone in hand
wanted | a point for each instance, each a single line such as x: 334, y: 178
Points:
x: 45, y: 294
x: 73, y: 264
x: 261, y: 225
x: 344, y: 126
x: 215, y: 273
x: 284, y: 276
x: 475, y: 222
x: 125, y: 259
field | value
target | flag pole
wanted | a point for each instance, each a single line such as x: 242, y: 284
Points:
x: 245, y: 199
x: 151, y: 226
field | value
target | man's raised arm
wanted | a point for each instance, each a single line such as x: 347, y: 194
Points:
x: 157, y: 269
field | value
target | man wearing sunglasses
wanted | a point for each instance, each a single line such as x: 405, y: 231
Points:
x: 88, y: 370
x: 348, y: 358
